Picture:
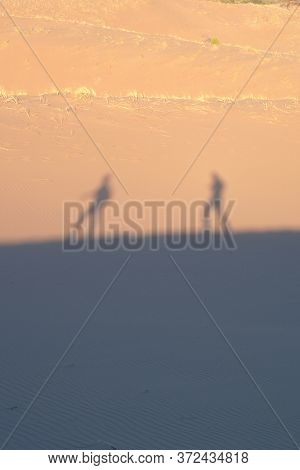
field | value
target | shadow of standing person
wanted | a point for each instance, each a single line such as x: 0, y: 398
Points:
x: 215, y: 202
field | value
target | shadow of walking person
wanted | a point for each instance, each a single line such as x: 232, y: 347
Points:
x: 100, y: 196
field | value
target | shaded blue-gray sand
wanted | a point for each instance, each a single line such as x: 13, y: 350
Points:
x: 151, y: 370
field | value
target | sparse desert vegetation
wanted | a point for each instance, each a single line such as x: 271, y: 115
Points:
x: 214, y: 41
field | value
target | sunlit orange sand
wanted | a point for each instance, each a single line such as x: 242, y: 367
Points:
x: 150, y: 82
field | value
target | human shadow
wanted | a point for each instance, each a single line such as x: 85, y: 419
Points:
x: 215, y: 202
x: 100, y: 196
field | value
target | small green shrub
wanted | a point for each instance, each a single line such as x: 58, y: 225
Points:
x: 214, y: 41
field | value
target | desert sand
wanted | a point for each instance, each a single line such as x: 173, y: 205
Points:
x: 151, y: 370
x: 146, y: 82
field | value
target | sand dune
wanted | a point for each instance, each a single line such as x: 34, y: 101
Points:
x: 150, y: 81
x: 119, y: 52
x: 151, y: 370
x: 135, y: 88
